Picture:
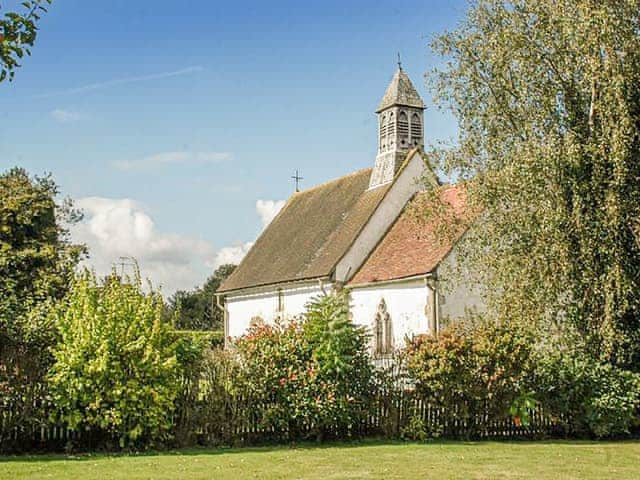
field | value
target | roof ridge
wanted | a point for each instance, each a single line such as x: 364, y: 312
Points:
x: 327, y: 182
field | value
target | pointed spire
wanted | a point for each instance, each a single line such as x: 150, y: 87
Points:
x: 400, y: 92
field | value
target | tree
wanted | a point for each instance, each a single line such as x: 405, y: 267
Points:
x: 18, y: 31
x: 37, y: 259
x: 196, y: 309
x: 547, y: 98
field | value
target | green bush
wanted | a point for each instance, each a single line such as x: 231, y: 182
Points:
x: 206, y: 339
x: 313, y: 376
x: 479, y: 368
x: 588, y: 397
x: 116, y: 369
x: 220, y: 406
x: 416, y: 430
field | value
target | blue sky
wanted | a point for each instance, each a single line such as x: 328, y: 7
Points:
x: 169, y: 121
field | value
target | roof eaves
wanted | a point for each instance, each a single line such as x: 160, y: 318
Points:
x: 282, y: 283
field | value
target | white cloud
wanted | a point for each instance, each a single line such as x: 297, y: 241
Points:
x: 122, y: 81
x: 231, y: 254
x: 172, y: 158
x: 115, y: 228
x: 268, y: 209
x: 66, y: 116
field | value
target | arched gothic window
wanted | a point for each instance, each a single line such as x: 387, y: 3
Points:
x: 416, y: 129
x: 382, y: 331
x: 403, y: 129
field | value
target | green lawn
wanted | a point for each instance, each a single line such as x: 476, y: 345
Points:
x: 490, y: 460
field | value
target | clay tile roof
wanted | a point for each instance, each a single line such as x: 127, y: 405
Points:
x: 412, y: 246
x: 400, y: 92
x: 310, y: 234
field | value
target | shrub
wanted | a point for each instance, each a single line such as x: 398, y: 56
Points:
x: 116, y: 368
x: 209, y: 405
x: 341, y: 352
x: 206, y: 339
x: 313, y: 375
x: 587, y: 396
x: 471, y: 369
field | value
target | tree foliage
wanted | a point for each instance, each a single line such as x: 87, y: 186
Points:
x: 37, y: 260
x: 116, y: 363
x: 546, y: 95
x: 590, y: 398
x: 37, y: 257
x: 196, y: 309
x: 18, y: 31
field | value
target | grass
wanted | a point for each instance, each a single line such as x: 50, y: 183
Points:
x: 446, y: 460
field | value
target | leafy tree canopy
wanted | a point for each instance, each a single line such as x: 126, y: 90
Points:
x: 196, y: 309
x: 18, y: 31
x: 37, y: 257
x: 547, y: 98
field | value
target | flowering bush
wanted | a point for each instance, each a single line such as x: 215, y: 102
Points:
x: 310, y: 376
x: 480, y: 367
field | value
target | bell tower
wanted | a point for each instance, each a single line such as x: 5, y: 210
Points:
x: 400, y: 127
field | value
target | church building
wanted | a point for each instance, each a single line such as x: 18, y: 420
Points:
x: 359, y: 232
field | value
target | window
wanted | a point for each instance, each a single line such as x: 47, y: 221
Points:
x: 416, y: 129
x: 403, y: 129
x: 280, y: 307
x: 382, y: 331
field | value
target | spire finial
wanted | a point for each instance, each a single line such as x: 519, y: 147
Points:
x: 399, y: 62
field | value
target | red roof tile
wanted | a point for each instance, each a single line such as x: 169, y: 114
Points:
x: 416, y: 243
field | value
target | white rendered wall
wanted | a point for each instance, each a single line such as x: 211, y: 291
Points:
x: 459, y: 296
x: 241, y: 308
x: 406, y: 303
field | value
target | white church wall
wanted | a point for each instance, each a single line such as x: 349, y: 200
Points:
x: 458, y: 295
x: 243, y: 307
x: 296, y: 300
x: 404, y: 187
x: 406, y: 303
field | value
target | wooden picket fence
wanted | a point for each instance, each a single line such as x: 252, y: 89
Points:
x: 237, y: 421
x: 240, y: 422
